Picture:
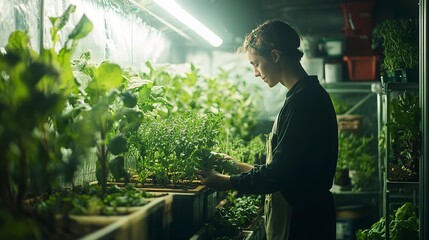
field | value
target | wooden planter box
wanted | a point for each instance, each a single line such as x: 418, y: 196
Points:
x: 151, y: 221
x: 191, y: 207
x: 188, y: 209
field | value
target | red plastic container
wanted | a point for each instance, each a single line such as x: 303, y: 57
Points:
x: 358, y: 45
x: 361, y: 68
x: 358, y: 17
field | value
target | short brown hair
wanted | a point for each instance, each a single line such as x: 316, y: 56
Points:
x: 273, y: 34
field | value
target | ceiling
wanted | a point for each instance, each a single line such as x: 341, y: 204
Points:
x: 233, y: 19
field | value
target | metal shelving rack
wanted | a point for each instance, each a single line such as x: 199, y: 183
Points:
x: 393, y: 191
x: 364, y: 93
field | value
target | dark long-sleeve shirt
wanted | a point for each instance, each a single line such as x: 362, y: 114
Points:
x: 305, y: 147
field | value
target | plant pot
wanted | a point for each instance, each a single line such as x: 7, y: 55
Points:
x: 343, y: 179
x: 412, y: 75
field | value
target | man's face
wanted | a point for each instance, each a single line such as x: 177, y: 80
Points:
x: 265, y: 68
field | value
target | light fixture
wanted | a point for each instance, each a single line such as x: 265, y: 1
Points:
x: 178, y: 12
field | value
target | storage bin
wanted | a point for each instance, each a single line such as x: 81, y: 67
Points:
x: 358, y: 45
x: 361, y: 68
x: 358, y: 17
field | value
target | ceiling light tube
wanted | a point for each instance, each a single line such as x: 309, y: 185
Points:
x: 178, y: 12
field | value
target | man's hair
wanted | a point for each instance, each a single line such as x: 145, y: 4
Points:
x: 273, y: 34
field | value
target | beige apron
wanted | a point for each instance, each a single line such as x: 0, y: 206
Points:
x: 277, y: 209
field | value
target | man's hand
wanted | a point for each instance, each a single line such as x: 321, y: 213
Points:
x: 214, y: 179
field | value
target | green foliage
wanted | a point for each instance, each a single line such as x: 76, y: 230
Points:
x: 87, y: 201
x: 117, y: 144
x: 33, y: 92
x: 171, y: 148
x: 355, y: 153
x: 114, y: 103
x: 17, y: 227
x: 405, y: 140
x: 230, y: 219
x: 222, y: 93
x: 340, y: 106
x: 217, y: 162
x: 399, y: 41
x: 404, y: 225
x: 244, y: 151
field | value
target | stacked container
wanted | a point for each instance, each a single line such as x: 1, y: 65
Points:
x: 361, y: 63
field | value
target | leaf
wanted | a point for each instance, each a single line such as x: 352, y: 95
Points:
x: 107, y: 76
x: 19, y: 45
x: 116, y: 167
x: 82, y: 29
x: 118, y: 145
x: 59, y: 22
x: 129, y: 98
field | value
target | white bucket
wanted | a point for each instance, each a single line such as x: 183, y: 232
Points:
x: 333, y: 72
x: 313, y: 66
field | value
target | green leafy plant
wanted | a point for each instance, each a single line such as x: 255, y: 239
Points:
x: 238, y: 213
x: 398, y: 39
x: 355, y: 153
x: 33, y: 92
x: 405, y: 140
x: 173, y: 147
x: 404, y: 225
x: 109, y: 99
x: 252, y: 152
x: 86, y: 200
x: 223, y: 93
x: 340, y: 106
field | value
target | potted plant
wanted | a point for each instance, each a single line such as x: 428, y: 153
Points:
x: 398, y: 41
x: 404, y: 139
x: 356, y: 158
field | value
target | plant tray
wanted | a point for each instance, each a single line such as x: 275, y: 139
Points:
x: 349, y: 122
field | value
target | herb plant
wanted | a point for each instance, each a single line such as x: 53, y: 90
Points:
x: 222, y: 93
x: 238, y: 213
x: 398, y: 39
x: 173, y: 147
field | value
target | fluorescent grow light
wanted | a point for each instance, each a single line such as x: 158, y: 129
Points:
x: 178, y: 12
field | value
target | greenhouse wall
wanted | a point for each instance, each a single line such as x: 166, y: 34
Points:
x: 119, y: 32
